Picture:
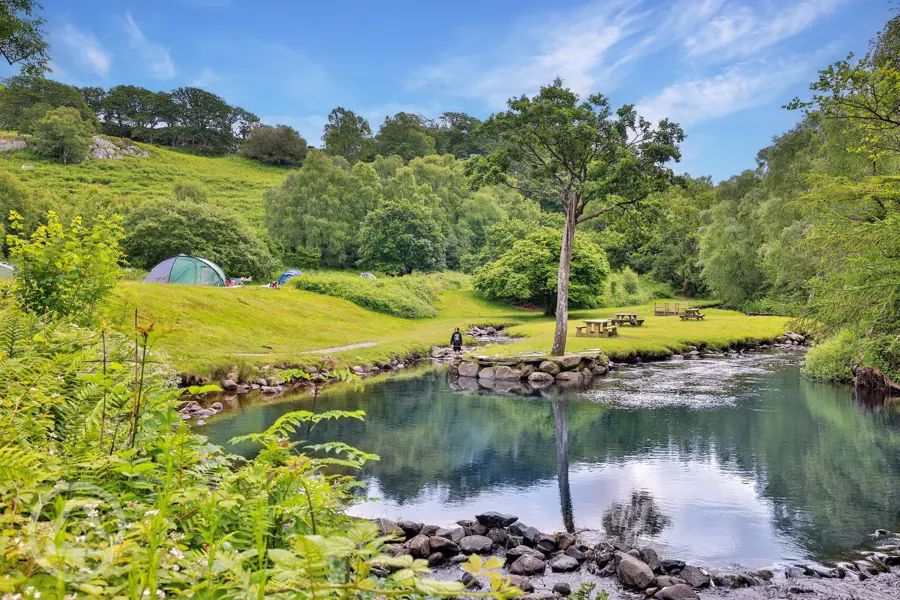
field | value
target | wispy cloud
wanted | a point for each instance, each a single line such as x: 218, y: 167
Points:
x: 737, y: 88
x: 740, y: 30
x: 84, y: 49
x: 156, y: 57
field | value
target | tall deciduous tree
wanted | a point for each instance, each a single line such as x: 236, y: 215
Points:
x: 404, y: 134
x: 400, y: 237
x: 347, y: 134
x: 593, y: 160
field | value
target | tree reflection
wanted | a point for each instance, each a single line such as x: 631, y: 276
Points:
x: 639, y: 518
x: 562, y: 463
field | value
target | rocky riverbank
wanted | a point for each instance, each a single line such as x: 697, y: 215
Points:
x: 554, y: 565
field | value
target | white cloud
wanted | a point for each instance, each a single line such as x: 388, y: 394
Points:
x: 735, y: 89
x: 156, y: 57
x: 84, y: 48
x: 207, y: 78
x: 739, y: 30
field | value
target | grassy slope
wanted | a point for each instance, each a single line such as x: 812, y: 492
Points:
x: 202, y: 327
x: 230, y: 181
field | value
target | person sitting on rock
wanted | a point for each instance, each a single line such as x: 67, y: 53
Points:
x: 456, y: 341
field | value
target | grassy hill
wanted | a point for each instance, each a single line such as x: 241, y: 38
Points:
x: 201, y: 328
x: 230, y: 181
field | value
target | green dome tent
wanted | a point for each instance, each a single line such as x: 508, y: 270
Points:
x: 189, y: 270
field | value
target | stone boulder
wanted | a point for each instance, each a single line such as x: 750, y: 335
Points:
x: 454, y: 534
x: 103, y: 148
x: 569, y: 378
x: 679, y: 591
x: 663, y: 581
x: 548, y: 366
x: 569, y: 361
x: 410, y: 528
x: 505, y: 373
x: 633, y: 572
x: 520, y: 582
x: 541, y: 378
x: 495, y: 519
x: 649, y: 556
x: 518, y: 551
x: 444, y: 546
x: 527, y: 564
x: 468, y: 369
x: 694, y: 577
x: 229, y: 385
x: 563, y: 563
x: 486, y: 373
x: 388, y: 527
x: 672, y: 567
x: 562, y: 588
x: 419, y: 546
x: 476, y: 544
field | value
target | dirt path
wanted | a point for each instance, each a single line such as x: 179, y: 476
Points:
x: 319, y: 351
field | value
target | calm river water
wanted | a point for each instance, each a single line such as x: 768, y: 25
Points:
x: 718, y: 461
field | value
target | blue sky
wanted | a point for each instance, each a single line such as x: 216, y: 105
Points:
x: 722, y: 68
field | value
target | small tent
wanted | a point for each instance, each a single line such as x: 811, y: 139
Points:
x: 288, y: 274
x: 187, y: 269
x: 6, y: 271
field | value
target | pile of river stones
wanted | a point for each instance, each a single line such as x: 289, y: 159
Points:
x: 529, y: 554
x: 538, y: 371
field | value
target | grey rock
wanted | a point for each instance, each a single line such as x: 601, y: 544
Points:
x: 694, y: 577
x: 546, y: 543
x: 479, y: 529
x: 229, y: 385
x: 498, y: 536
x: 649, y: 556
x: 475, y: 544
x: 679, y: 591
x: 468, y: 369
x: 410, y: 528
x: 527, y: 564
x: 672, y: 567
x: 522, y: 583
x: 444, y: 546
x: 514, y: 553
x: 419, y: 546
x: 633, y: 572
x: 575, y: 553
x: 540, y: 378
x: 453, y: 534
x: 564, y: 540
x: 465, y: 522
x: 388, y: 527
x: 563, y: 563
x: 495, y: 519
x: 548, y: 366
x: 569, y: 361
x: 486, y: 373
x: 562, y: 588
x: 435, y: 558
x: 429, y: 530
x: 103, y: 149
x: 569, y: 378
x: 663, y: 581
x: 504, y: 373
x: 530, y: 535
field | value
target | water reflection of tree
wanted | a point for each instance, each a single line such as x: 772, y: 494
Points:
x: 562, y: 463
x: 639, y: 518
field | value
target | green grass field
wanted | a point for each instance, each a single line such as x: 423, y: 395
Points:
x: 201, y: 328
x: 229, y: 181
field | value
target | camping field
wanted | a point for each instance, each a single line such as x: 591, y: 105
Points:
x: 202, y: 329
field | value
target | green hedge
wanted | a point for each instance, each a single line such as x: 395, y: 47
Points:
x: 410, y: 296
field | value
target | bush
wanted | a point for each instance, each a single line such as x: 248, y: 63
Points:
x: 279, y: 145
x: 62, y: 135
x: 400, y: 237
x: 65, y: 271
x: 157, y: 230
x: 410, y: 297
x: 527, y: 272
x: 832, y: 359
x: 627, y: 288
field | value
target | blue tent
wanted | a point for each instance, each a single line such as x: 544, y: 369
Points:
x: 287, y: 275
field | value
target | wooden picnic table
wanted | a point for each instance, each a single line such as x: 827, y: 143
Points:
x: 692, y: 313
x: 597, y: 328
x: 629, y: 318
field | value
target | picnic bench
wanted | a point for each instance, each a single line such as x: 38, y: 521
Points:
x: 623, y: 318
x: 597, y: 328
x: 666, y: 310
x: 692, y: 314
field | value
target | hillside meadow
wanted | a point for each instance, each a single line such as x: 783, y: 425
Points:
x: 203, y: 328
x: 229, y: 180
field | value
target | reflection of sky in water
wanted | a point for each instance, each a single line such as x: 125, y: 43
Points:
x: 715, y: 517
x: 717, y: 461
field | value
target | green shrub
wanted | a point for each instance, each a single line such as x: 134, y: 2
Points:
x: 831, y: 360
x: 62, y: 135
x: 279, y: 145
x: 65, y: 271
x: 410, y: 297
x: 157, y: 230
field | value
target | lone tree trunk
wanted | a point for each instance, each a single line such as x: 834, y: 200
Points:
x: 562, y: 279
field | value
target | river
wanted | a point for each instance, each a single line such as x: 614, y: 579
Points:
x: 719, y: 461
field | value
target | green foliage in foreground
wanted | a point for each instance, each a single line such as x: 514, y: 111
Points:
x: 527, y: 271
x: 65, y: 270
x: 108, y: 493
x: 410, y: 297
